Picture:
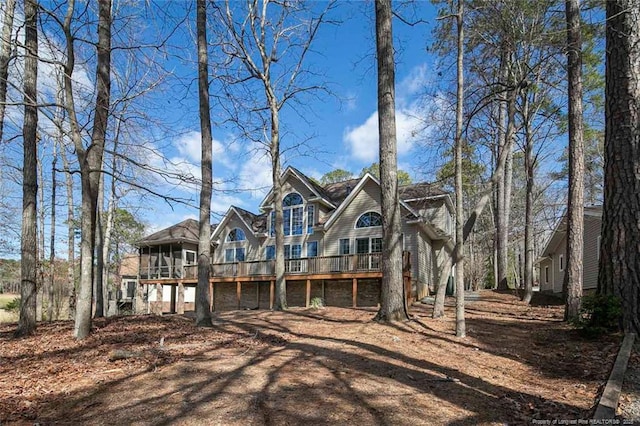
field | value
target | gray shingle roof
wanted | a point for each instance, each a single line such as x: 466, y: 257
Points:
x: 257, y: 222
x: 185, y: 231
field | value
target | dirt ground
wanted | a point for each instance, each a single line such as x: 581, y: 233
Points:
x: 305, y: 366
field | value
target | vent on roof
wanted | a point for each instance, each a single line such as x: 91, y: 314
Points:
x: 349, y: 188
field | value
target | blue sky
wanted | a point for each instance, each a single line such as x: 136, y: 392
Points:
x: 343, y: 126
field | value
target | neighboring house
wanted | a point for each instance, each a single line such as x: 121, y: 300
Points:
x: 333, y: 243
x: 553, y: 260
x: 128, y: 274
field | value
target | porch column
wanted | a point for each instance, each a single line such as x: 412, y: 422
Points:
x: 308, y: 293
x: 172, y: 303
x: 272, y: 292
x: 211, y: 296
x: 138, y: 306
x: 180, y: 297
x: 239, y: 293
x: 407, y: 288
x: 159, y: 300
x: 354, y: 294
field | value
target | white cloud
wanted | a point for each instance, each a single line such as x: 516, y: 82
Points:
x: 362, y: 140
x: 189, y: 147
x: 255, y: 175
x: 414, y: 83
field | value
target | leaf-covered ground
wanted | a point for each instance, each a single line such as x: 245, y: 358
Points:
x: 305, y: 366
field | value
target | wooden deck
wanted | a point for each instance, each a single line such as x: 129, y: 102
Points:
x: 315, y: 268
x: 233, y: 281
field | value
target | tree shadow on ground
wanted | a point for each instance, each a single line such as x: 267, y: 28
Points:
x: 259, y: 369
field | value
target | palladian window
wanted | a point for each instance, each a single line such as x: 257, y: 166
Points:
x: 236, y: 234
x: 369, y: 219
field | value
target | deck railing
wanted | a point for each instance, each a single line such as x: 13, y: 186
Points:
x: 353, y: 263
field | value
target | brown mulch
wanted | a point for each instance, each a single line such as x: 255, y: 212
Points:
x: 305, y: 366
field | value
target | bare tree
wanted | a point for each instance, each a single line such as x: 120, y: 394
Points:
x: 90, y: 158
x: 266, y: 42
x: 203, y: 308
x: 5, y: 56
x: 572, y: 285
x: 458, y: 252
x: 28, y: 251
x: 392, y: 302
x: 619, y: 272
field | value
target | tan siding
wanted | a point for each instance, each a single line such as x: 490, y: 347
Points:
x: 251, y: 245
x: 590, y: 255
x: 544, y: 285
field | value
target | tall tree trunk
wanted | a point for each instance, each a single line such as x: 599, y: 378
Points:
x: 528, y: 210
x: 52, y: 250
x: 459, y: 248
x: 203, y: 309
x: 71, y: 236
x: 392, y: 303
x: 5, y: 55
x: 28, y: 248
x: 572, y: 284
x: 90, y: 159
x: 619, y: 272
x: 280, y: 302
x: 98, y: 274
x: 41, y: 236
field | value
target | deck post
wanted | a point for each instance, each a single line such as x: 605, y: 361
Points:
x: 172, y: 303
x: 272, y: 292
x: 355, y: 292
x: 180, y: 297
x: 211, y: 296
x: 159, y: 300
x: 239, y: 293
x: 308, y: 293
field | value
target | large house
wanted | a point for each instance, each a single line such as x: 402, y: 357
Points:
x: 553, y: 259
x: 333, y: 244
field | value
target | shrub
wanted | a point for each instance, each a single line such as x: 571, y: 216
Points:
x: 13, y: 306
x: 317, y: 303
x: 599, y: 314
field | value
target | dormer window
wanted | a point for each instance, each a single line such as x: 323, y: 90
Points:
x: 369, y: 219
x: 236, y: 234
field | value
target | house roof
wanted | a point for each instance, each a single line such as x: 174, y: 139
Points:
x: 560, y: 230
x: 256, y: 222
x: 185, y: 231
x: 420, y: 190
x: 335, y: 195
x: 339, y: 191
x: 351, y: 196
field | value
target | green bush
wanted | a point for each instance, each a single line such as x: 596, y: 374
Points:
x: 317, y: 303
x: 13, y: 306
x: 599, y: 314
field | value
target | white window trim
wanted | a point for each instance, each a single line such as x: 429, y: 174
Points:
x: 561, y: 264
x: 355, y: 224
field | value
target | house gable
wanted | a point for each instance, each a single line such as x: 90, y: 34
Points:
x: 371, y: 186
x: 236, y: 218
x: 295, y: 181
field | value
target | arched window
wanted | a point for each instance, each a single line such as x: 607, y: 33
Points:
x: 292, y: 214
x: 236, y: 234
x: 369, y: 219
x: 292, y: 199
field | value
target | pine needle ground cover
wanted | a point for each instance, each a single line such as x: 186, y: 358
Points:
x: 312, y: 366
